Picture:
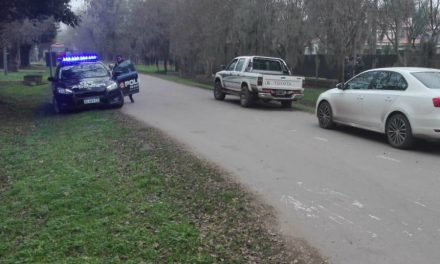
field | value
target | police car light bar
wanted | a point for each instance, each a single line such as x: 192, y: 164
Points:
x: 80, y: 58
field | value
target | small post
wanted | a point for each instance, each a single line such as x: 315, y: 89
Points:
x: 5, y: 60
x: 50, y: 62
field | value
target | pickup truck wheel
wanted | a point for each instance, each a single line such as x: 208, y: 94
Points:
x: 286, y: 104
x: 325, y: 115
x: 246, y: 98
x: 218, y: 91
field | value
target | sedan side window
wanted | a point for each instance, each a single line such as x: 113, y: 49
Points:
x: 361, y: 82
x: 387, y: 80
x: 231, y: 66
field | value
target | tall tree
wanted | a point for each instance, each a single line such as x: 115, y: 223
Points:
x: 340, y: 25
x: 394, y: 14
x: 60, y: 10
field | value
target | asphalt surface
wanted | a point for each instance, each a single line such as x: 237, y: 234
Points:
x: 345, y: 191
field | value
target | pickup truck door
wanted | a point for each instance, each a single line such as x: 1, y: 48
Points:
x: 227, y: 75
x: 237, y: 76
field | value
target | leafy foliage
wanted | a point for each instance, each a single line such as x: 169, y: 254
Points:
x: 41, y: 9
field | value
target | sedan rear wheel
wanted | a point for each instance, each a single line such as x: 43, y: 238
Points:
x: 325, y: 115
x: 399, y: 133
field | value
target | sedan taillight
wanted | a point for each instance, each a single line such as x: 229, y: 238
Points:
x: 436, y: 102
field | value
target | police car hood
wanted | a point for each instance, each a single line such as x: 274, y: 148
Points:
x: 88, y: 84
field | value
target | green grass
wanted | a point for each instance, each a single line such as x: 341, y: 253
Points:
x: 97, y: 187
x: 77, y: 195
x: 18, y: 76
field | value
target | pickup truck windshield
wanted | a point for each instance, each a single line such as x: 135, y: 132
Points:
x: 267, y: 65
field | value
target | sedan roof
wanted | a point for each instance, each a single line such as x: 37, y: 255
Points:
x: 406, y: 69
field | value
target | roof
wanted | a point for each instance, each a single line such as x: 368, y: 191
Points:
x: 406, y: 69
x: 256, y: 56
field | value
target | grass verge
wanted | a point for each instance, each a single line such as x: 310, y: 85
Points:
x: 98, y: 187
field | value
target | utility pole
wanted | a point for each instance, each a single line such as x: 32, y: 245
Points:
x: 5, y: 60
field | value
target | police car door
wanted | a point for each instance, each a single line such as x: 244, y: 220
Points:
x: 127, y: 78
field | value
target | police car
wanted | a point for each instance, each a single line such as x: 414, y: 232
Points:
x: 82, y: 81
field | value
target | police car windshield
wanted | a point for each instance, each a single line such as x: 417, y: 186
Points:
x: 82, y: 71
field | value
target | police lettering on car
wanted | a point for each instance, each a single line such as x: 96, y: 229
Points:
x: 124, y: 73
x: 82, y: 81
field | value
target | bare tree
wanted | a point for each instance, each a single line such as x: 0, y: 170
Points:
x: 339, y: 27
x: 394, y: 14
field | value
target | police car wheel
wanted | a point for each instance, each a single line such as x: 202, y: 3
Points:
x: 121, y: 100
x: 56, y: 106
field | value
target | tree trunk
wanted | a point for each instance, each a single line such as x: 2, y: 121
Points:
x: 340, y: 67
x: 12, y: 59
x: 25, y: 55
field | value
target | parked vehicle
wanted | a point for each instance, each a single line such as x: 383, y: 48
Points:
x: 403, y: 103
x: 254, y: 77
x: 81, y: 81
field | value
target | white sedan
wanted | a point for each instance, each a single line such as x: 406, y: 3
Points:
x: 403, y: 103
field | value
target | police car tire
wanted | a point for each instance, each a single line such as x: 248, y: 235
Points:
x: 56, y: 106
x: 122, y: 101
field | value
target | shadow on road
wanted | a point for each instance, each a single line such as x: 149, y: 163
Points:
x: 261, y: 106
x: 421, y: 146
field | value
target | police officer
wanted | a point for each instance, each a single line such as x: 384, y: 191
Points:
x: 119, y: 60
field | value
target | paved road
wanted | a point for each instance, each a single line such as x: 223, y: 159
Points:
x: 345, y: 191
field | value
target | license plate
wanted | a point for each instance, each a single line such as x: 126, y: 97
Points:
x: 92, y: 100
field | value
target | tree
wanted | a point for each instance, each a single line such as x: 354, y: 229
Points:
x: 394, y: 14
x: 41, y: 9
x: 431, y: 11
x: 340, y: 27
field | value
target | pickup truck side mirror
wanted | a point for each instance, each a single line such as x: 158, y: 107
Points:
x: 51, y: 79
x: 340, y: 86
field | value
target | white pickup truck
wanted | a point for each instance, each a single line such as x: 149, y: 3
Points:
x: 254, y: 77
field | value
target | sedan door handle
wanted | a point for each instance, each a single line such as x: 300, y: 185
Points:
x: 360, y: 98
x: 388, y: 99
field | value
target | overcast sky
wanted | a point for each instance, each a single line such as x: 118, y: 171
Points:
x: 76, y: 4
